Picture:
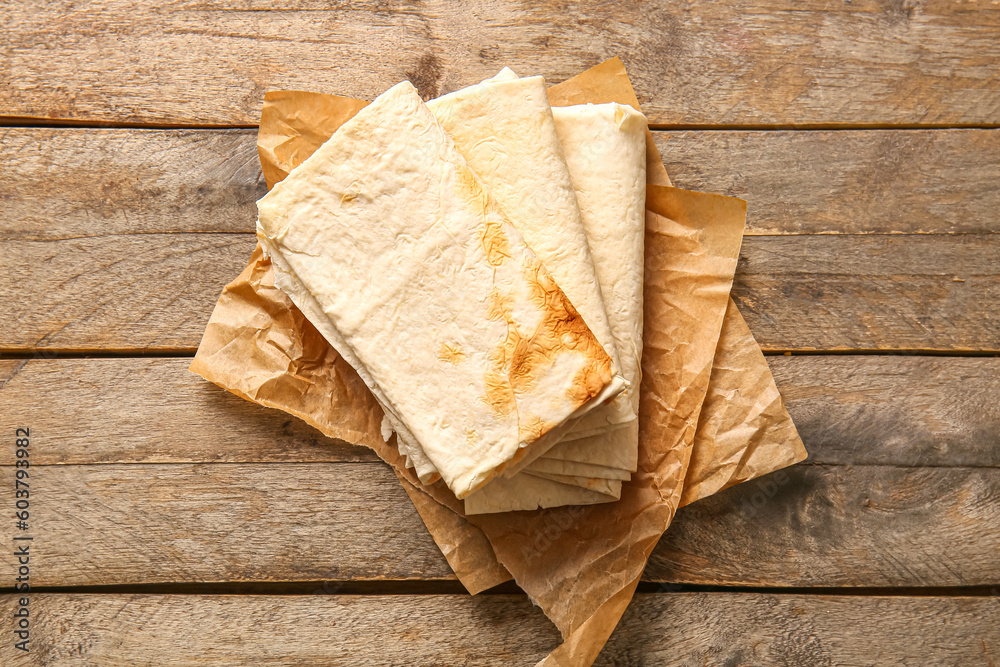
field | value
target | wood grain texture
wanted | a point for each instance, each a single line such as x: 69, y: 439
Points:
x: 224, y: 522
x: 120, y: 240
x: 698, y: 629
x: 850, y: 410
x: 807, y: 526
x: 914, y: 292
x: 898, y: 411
x: 65, y: 183
x: 754, y: 61
x: 684, y: 629
x: 156, y: 291
x: 840, y: 526
x: 94, y: 218
x: 153, y: 292
x: 846, y: 182
x: 172, y: 416
x: 62, y: 184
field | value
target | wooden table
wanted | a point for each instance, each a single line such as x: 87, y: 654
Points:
x: 174, y: 523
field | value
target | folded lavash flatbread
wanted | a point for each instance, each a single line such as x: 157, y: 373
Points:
x: 545, y: 492
x: 614, y: 453
x: 390, y: 241
x: 504, y: 129
x: 287, y: 280
x: 544, y: 465
x: 608, y: 487
x: 604, y: 148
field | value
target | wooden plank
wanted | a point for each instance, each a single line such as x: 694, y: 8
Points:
x: 840, y: 526
x: 884, y: 182
x: 685, y: 629
x: 172, y: 416
x: 90, y: 243
x: 133, y: 291
x: 65, y: 183
x: 287, y: 630
x: 914, y: 292
x: 62, y: 184
x: 156, y: 291
x: 113, y: 524
x: 698, y: 629
x: 756, y: 62
x: 808, y: 526
x: 889, y: 410
x: 850, y: 410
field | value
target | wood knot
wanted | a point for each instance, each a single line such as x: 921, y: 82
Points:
x: 426, y: 76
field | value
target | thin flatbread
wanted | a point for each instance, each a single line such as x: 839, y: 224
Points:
x: 605, y: 150
x: 388, y: 237
x: 612, y: 451
x: 504, y: 128
x: 609, y: 487
x: 604, y: 146
x: 288, y: 282
x: 577, y: 469
x: 543, y: 492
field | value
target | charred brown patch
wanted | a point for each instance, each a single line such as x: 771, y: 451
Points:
x: 451, y: 353
x: 495, y: 243
x: 589, y: 382
x: 519, y: 361
x: 533, y: 429
x: 561, y: 328
x: 499, y: 392
x: 492, y: 235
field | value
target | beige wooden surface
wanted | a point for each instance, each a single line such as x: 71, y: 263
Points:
x: 748, y: 62
x: 865, y: 137
x: 690, y: 629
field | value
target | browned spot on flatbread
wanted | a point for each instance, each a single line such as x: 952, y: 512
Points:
x: 499, y: 392
x: 492, y: 235
x: 532, y: 429
x: 469, y: 186
x: 495, y: 242
x: 519, y: 361
x: 561, y: 328
x: 451, y: 352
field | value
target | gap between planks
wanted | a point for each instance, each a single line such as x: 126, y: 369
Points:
x: 189, y: 352
x: 21, y: 122
x: 816, y: 292
x: 850, y: 410
x: 796, y: 183
x: 453, y: 587
x: 752, y: 63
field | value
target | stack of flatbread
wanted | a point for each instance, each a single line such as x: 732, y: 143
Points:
x: 478, y: 260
